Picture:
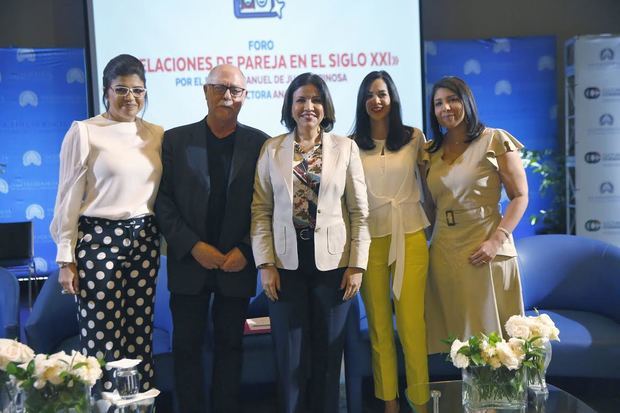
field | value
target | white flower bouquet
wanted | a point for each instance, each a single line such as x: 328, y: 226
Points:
x: 493, y: 376
x: 539, y: 330
x: 539, y: 327
x: 495, y: 371
x: 56, y: 382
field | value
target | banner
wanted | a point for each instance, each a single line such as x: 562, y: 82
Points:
x: 41, y: 92
x: 596, y: 123
x: 271, y: 41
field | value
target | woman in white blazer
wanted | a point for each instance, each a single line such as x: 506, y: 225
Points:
x: 310, y: 242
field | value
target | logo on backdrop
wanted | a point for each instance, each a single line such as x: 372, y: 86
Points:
x: 430, y: 48
x: 26, y: 54
x: 606, y: 188
x: 75, y: 74
x: 31, y: 158
x: 4, y: 186
x: 28, y: 97
x: 592, y: 157
x: 501, y: 45
x: 503, y: 87
x: 546, y: 63
x: 606, y: 54
x: 606, y: 119
x: 592, y: 92
x: 251, y: 9
x: 472, y: 66
x: 592, y: 225
x: 35, y: 211
x: 40, y: 265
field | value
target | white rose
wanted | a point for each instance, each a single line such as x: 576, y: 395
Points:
x: 553, y: 331
x: 540, y: 330
x: 90, y: 372
x: 49, y: 369
x: 518, y: 326
x: 460, y: 361
x: 518, y: 347
x: 489, y: 354
x: 14, y: 351
x: 507, y: 356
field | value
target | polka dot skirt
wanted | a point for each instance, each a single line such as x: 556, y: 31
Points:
x: 117, y: 265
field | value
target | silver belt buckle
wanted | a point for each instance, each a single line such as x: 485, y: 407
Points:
x: 305, y: 234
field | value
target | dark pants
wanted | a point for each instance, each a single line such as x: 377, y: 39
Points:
x: 307, y: 325
x: 189, y: 316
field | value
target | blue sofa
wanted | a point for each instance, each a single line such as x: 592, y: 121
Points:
x: 576, y: 281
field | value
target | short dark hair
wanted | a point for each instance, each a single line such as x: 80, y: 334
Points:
x: 328, y: 105
x: 398, y: 135
x: 121, y: 65
x: 464, y: 93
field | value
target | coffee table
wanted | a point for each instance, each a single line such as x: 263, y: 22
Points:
x: 448, y: 398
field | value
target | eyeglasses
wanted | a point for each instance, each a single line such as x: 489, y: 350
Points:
x: 221, y: 90
x: 137, y: 92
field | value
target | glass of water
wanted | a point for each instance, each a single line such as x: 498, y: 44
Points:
x: 127, y: 382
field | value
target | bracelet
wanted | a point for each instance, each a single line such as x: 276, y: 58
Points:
x: 505, y: 231
x: 265, y: 265
x: 63, y: 264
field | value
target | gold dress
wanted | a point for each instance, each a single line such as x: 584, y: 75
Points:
x: 462, y: 299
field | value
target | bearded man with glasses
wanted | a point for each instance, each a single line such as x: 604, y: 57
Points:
x: 203, y: 207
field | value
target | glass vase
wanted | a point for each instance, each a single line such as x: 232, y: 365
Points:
x: 536, y: 376
x: 58, y: 399
x: 487, y: 388
x: 8, y: 392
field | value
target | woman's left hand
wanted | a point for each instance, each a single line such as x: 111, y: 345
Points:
x: 351, y: 282
x: 485, y: 252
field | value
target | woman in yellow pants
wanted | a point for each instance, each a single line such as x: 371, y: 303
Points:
x: 398, y: 258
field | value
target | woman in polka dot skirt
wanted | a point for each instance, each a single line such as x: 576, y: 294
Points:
x: 103, y: 225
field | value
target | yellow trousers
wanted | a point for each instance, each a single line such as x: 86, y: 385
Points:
x: 377, y: 296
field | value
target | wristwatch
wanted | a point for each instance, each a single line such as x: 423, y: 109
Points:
x: 63, y: 264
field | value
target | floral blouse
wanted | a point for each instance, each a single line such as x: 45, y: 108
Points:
x: 307, y: 180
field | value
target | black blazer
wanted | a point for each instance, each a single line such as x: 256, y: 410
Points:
x: 182, y: 203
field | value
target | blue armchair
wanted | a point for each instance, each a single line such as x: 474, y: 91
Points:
x: 576, y: 281
x: 52, y: 325
x: 9, y: 305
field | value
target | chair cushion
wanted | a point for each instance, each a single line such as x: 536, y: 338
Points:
x: 589, y: 346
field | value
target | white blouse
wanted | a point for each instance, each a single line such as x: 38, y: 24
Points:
x: 108, y: 169
x: 394, y: 197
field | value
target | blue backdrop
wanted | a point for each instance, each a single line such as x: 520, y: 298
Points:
x: 41, y: 92
x: 514, y: 83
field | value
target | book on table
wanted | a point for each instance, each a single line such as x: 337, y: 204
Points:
x: 257, y: 325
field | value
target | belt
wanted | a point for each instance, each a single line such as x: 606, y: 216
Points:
x: 305, y: 234
x: 459, y: 216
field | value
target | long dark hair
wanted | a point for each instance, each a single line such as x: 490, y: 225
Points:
x: 121, y: 65
x: 304, y: 79
x: 398, y: 134
x: 464, y: 93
